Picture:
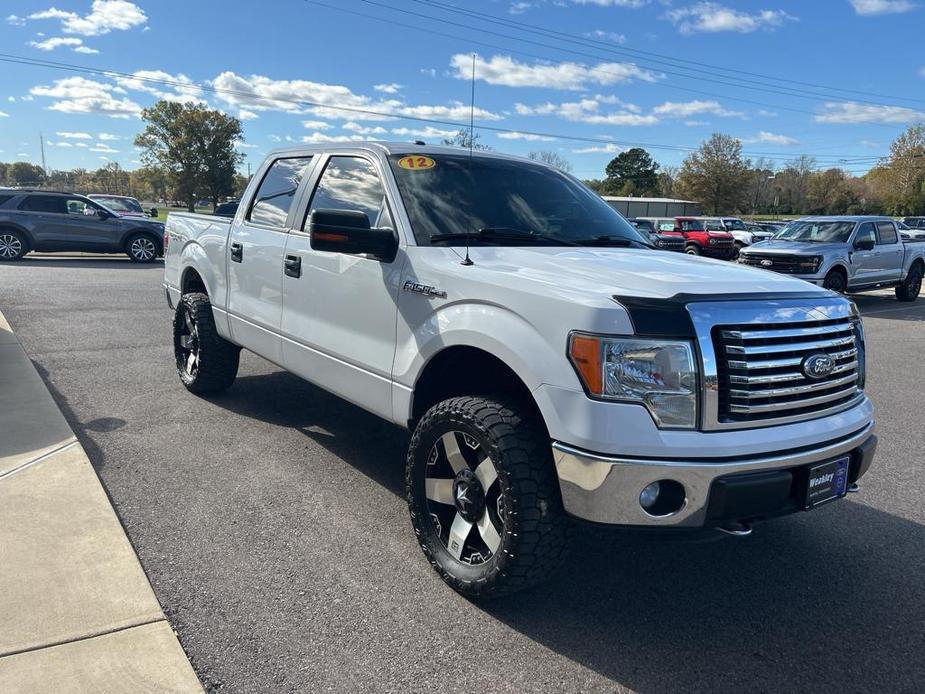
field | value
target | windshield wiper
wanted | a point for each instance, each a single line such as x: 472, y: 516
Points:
x: 619, y: 241
x: 502, y: 234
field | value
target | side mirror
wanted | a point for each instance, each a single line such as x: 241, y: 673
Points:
x: 864, y: 245
x: 348, y: 231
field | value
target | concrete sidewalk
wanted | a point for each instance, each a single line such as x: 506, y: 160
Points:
x: 77, y: 613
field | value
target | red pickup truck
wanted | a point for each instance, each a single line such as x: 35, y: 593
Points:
x: 703, y: 241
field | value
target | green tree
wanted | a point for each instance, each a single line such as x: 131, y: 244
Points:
x: 21, y: 173
x: 632, y: 172
x: 716, y: 174
x: 195, y: 145
x: 552, y: 158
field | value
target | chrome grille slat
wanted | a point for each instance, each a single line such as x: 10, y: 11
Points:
x: 792, y: 390
x: 760, y: 369
x: 807, y: 402
x: 815, y: 346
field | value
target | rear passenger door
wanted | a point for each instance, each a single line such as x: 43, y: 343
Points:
x: 340, y: 310
x: 890, y: 252
x: 254, y: 258
x: 46, y: 218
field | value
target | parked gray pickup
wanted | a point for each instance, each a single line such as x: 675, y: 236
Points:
x: 845, y: 254
x: 47, y: 221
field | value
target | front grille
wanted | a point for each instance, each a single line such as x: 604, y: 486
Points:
x: 788, y: 264
x: 760, y: 369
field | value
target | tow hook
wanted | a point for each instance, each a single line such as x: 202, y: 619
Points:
x: 735, y: 529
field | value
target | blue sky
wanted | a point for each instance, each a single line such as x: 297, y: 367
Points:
x: 839, y: 79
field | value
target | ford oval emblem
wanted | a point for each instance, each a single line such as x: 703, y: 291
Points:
x: 767, y: 263
x: 818, y: 366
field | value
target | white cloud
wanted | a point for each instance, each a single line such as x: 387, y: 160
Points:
x: 23, y: 155
x: 4, y: 114
x: 869, y: 143
x: 11, y: 99
x: 104, y: 148
x: 696, y: 123
x: 505, y: 71
x: 519, y: 7
x: 390, y: 88
x: 74, y: 136
x: 711, y: 17
x: 426, y: 132
x: 525, y: 136
x: 244, y: 114
x: 610, y: 36
x: 314, y: 125
x: 50, y: 143
x: 608, y: 149
x: 588, y: 111
x: 686, y: 109
x: 772, y: 138
x: 243, y: 145
x: 429, y: 71
x: 922, y: 72
x: 767, y: 114
x: 82, y: 145
x: 320, y: 138
x: 57, y: 41
x: 853, y: 112
x: 183, y: 89
x: 86, y: 50
x: 82, y: 95
x: 873, y: 7
x: 613, y: 3
x: 364, y: 129
x: 16, y: 20
x: 105, y: 16
x: 107, y: 137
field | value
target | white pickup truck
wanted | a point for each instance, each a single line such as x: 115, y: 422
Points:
x: 550, y: 363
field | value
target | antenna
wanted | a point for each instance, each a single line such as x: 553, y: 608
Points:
x: 468, y: 260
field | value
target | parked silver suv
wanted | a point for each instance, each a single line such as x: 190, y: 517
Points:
x: 46, y: 221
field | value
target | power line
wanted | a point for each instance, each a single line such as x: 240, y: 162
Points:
x: 625, y: 50
x: 397, y: 114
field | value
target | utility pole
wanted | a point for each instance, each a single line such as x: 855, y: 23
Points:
x: 42, y: 145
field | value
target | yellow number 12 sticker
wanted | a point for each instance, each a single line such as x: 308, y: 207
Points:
x: 416, y: 163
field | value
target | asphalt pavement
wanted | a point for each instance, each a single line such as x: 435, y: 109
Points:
x: 271, y: 523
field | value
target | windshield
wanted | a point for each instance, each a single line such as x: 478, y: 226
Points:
x: 816, y: 232
x: 121, y: 204
x: 714, y: 225
x: 447, y: 194
x: 735, y: 225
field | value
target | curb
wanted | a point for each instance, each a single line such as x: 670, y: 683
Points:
x: 78, y: 611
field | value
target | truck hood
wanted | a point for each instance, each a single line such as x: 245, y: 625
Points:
x: 794, y: 247
x: 584, y: 272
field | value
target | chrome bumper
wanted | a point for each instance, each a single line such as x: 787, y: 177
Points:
x: 606, y: 489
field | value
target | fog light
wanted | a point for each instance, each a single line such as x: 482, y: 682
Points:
x: 649, y: 495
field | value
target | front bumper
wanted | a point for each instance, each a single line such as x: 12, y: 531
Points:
x: 721, y: 252
x: 605, y: 489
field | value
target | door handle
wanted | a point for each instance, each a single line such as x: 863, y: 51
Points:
x: 237, y: 252
x: 292, y: 265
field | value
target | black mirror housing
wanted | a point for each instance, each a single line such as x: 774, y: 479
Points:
x: 348, y: 231
x: 864, y: 245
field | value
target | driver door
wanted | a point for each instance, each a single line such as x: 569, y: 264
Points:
x: 91, y: 228
x: 866, y: 266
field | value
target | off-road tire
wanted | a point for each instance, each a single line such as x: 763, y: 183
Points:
x: 142, y: 248
x: 13, y: 245
x: 536, y: 530
x: 217, y: 359
x: 912, y: 285
x: 836, y: 280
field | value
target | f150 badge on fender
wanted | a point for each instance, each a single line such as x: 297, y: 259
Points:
x: 425, y: 289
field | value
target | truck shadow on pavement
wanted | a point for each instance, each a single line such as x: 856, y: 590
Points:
x: 834, y: 599
x: 886, y: 306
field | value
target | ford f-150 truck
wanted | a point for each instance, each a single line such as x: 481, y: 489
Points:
x: 845, y: 254
x: 550, y: 364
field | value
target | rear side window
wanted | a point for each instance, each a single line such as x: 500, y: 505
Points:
x: 886, y: 233
x: 44, y: 203
x: 277, y: 191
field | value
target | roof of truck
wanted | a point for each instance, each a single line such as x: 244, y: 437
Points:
x: 389, y: 148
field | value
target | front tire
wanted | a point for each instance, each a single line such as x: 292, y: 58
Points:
x: 912, y: 285
x: 692, y: 249
x: 206, y: 362
x: 141, y: 248
x: 484, y: 497
x: 12, y: 245
x: 837, y: 281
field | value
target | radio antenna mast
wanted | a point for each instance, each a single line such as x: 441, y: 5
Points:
x: 468, y: 260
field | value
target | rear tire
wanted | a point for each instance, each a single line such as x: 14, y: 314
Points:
x: 141, y: 248
x: 912, y: 285
x: 206, y: 362
x: 13, y: 245
x: 837, y: 281
x: 509, y: 520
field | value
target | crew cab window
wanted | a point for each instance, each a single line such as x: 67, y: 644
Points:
x: 277, y: 191
x: 886, y: 233
x: 44, y: 203
x: 351, y: 183
x: 866, y: 233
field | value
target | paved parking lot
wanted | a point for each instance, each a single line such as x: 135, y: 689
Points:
x: 271, y: 523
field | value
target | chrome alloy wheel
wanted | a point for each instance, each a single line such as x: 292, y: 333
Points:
x: 464, y: 498
x: 10, y: 246
x: 143, y: 249
x: 188, y: 352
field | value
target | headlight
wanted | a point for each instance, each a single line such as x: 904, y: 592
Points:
x: 810, y: 263
x: 712, y: 241
x: 659, y: 374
